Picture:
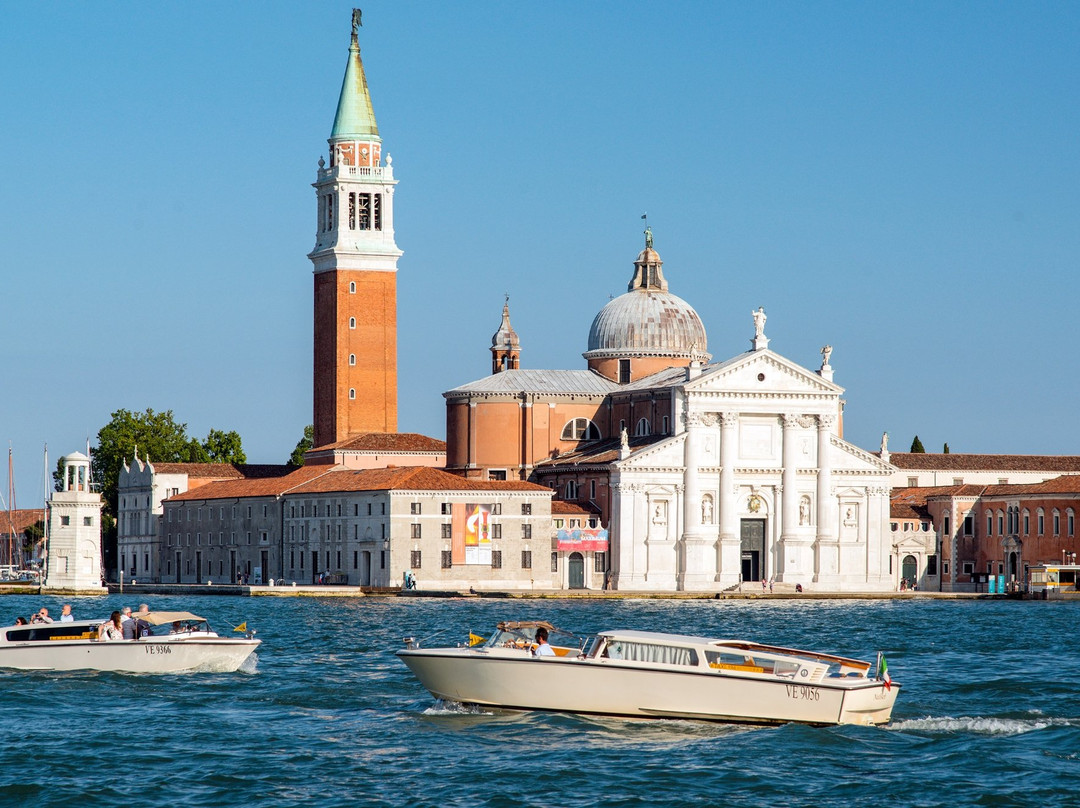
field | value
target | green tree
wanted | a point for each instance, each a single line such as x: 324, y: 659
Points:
x: 946, y: 449
x: 224, y: 447
x: 156, y: 435
x: 305, y: 443
x: 917, y: 447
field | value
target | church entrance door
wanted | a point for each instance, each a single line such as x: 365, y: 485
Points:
x: 576, y: 571
x: 910, y: 570
x: 752, y: 539
x: 365, y: 568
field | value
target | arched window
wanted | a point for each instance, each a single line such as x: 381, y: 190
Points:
x: 352, y: 322
x: 1057, y: 522
x: 665, y: 424
x: 571, y: 489
x: 580, y: 429
x: 989, y: 523
x: 352, y: 359
x: 642, y: 427
x: 352, y: 393
x: 352, y: 287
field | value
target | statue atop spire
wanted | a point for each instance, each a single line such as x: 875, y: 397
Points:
x: 356, y: 21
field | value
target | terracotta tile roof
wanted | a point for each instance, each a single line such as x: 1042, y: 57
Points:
x: 223, y: 471
x: 408, y: 478
x: 558, y: 507
x: 20, y: 520
x: 255, y: 486
x: 388, y: 442
x: 915, y: 461
x: 1067, y: 484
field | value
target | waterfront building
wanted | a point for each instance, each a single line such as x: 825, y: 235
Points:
x: 929, y: 469
x: 707, y: 476
x: 363, y: 527
x: 972, y: 534
x: 73, y: 560
x: 142, y: 488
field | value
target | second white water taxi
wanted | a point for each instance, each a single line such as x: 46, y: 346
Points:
x: 645, y: 674
x: 170, y: 642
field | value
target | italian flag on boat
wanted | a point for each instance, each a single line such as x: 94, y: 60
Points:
x: 883, y: 672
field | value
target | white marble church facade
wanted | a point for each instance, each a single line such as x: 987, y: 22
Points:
x: 755, y: 484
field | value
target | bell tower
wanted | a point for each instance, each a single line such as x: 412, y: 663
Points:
x: 355, y: 268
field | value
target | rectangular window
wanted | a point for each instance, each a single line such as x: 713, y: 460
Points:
x: 1070, y: 524
x: 369, y: 509
x: 526, y: 531
x: 382, y: 559
x: 497, y: 474
x: 446, y: 560
x: 376, y: 210
x: 496, y: 509
x: 1027, y: 524
x: 382, y: 508
x: 624, y: 371
x: 65, y: 520
x: 445, y: 509
x: 88, y: 521
x: 414, y: 559
x: 913, y: 482
x: 356, y: 509
x: 1001, y: 525
x: 446, y: 531
x: 414, y: 507
x: 415, y: 531
x: 969, y: 525
x: 355, y: 560
x: 1057, y: 524
x: 526, y: 509
x: 554, y: 562
x: 599, y: 562
x: 496, y: 531
x: 352, y: 211
x: 968, y: 568
x: 592, y: 489
x: 559, y: 523
x: 1041, y: 524
x: 526, y: 559
x: 363, y: 211
x: 496, y: 559
x: 944, y: 567
x: 946, y: 525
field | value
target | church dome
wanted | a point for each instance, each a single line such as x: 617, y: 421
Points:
x: 648, y: 320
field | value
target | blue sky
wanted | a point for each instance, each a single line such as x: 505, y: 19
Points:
x: 899, y: 180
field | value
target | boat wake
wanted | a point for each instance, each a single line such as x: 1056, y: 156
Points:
x: 442, y: 707
x: 249, y: 665
x: 979, y: 725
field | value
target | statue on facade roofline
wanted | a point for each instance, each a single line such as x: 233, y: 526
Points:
x: 759, y: 321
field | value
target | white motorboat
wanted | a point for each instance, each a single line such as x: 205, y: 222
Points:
x: 170, y: 642
x: 645, y: 674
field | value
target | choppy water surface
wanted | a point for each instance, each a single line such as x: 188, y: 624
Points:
x: 328, y: 716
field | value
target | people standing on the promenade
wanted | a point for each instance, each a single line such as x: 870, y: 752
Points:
x: 764, y: 585
x: 65, y: 614
x: 771, y: 579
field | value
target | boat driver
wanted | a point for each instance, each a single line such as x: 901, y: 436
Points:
x: 542, y: 647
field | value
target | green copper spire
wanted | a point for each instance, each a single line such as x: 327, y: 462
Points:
x: 355, y: 119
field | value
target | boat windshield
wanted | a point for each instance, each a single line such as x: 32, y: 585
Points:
x: 523, y: 635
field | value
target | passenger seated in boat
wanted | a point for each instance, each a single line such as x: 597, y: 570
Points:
x: 542, y: 647
x: 21, y: 621
x: 112, y: 629
x: 176, y: 629
x: 41, y: 617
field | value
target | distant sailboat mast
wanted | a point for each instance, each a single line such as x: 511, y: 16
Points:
x: 45, y: 534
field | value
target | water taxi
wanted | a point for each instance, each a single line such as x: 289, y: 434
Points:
x: 644, y: 674
x: 169, y: 642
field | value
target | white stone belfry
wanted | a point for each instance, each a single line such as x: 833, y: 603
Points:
x: 74, y: 550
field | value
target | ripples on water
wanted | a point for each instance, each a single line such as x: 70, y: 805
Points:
x: 327, y: 716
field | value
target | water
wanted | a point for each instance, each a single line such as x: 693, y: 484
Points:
x: 328, y: 716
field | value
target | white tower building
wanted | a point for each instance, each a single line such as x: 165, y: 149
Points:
x: 74, y: 559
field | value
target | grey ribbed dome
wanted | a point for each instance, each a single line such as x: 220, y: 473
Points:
x: 646, y: 322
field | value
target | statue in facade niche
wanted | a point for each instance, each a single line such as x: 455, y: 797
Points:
x: 706, y: 510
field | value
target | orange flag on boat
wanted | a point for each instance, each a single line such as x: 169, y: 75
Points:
x: 475, y: 639
x: 241, y: 627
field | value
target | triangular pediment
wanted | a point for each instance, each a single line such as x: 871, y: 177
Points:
x: 667, y: 453
x: 757, y: 372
